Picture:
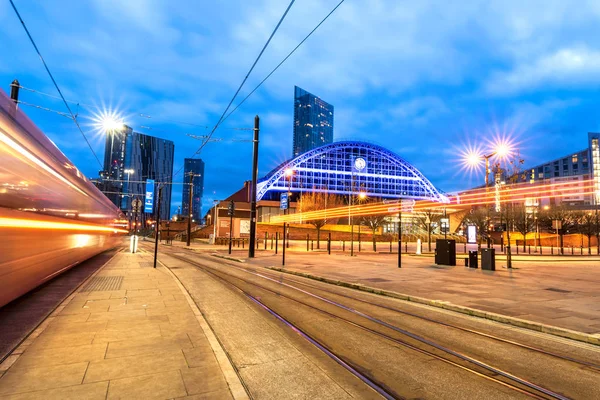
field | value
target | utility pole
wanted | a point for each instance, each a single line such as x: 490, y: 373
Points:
x: 400, y: 235
x: 157, y: 232
x: 189, y: 213
x: 231, y: 211
x: 252, y: 242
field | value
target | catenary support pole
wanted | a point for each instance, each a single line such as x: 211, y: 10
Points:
x: 157, y: 232
x: 251, y: 244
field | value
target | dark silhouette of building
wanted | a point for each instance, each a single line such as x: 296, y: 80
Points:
x: 196, y: 167
x: 313, y: 122
x: 131, y: 158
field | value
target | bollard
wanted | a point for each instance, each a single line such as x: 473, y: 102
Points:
x: 541, y: 250
x: 312, y: 242
x: 572, y: 250
x: 552, y: 250
x: 271, y: 242
x: 266, y: 238
x: 390, y: 246
x: 465, y: 247
x: 359, y: 245
x: 257, y: 243
x: 343, y: 245
x: 243, y: 243
x: 517, y: 249
x: 329, y: 243
x: 582, y: 250
x: 406, y: 247
x: 529, y: 249
x: 276, y: 241
x: 307, y: 240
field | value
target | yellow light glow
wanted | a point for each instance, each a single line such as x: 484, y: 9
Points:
x: 362, y: 195
x: 37, y: 224
x: 289, y: 172
x: 503, y: 150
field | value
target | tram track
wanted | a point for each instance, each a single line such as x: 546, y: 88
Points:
x: 424, y: 346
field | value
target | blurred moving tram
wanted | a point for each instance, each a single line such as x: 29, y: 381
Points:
x: 51, y: 216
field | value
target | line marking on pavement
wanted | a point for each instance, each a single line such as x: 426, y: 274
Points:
x: 24, y: 345
x: 237, y: 389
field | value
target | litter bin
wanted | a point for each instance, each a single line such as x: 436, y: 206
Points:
x: 488, y: 259
x: 445, y: 252
x: 473, y: 259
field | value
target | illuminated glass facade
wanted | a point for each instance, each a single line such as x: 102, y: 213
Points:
x: 313, y: 122
x: 195, y: 166
x: 150, y: 158
x: 349, y: 167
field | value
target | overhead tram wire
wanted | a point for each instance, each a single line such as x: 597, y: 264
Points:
x: 284, y: 60
x: 54, y: 81
x: 241, y: 85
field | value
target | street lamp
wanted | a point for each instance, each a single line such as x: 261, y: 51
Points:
x: 473, y: 159
x: 597, y: 225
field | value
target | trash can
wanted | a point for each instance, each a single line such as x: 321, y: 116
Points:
x: 473, y: 259
x: 488, y: 259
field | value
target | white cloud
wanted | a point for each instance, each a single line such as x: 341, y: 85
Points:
x: 566, y: 68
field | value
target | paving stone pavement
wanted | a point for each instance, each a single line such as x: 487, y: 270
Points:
x: 128, y: 333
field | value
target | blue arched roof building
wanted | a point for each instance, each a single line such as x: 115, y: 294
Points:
x: 350, y: 167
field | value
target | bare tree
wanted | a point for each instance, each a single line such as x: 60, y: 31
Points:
x: 522, y: 222
x: 586, y: 224
x: 421, y: 219
x: 319, y: 201
x: 374, y: 222
x: 566, y: 219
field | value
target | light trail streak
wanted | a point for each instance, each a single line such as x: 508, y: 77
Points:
x: 20, y: 223
x: 509, y: 194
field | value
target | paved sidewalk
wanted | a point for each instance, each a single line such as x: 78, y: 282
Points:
x: 127, y: 333
x: 561, y: 291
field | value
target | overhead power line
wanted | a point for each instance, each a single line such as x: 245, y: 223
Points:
x: 284, y: 60
x: 54, y: 82
x: 204, y: 142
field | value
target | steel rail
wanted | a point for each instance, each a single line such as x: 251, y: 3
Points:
x: 493, y: 370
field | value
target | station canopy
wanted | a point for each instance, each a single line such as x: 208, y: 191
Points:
x: 350, y: 168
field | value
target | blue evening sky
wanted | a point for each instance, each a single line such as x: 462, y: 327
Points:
x: 422, y: 78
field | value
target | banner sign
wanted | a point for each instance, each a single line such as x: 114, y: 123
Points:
x: 283, y: 201
x: 149, y: 203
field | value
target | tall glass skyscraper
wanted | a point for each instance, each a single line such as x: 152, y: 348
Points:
x: 196, y: 167
x: 113, y: 173
x: 313, y: 122
x: 148, y: 157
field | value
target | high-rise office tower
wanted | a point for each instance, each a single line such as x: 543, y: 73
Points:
x: 313, y: 122
x: 148, y: 157
x: 196, y: 167
x: 114, y: 163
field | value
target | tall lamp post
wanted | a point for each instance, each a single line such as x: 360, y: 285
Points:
x: 473, y: 159
x: 289, y: 173
x: 597, y: 225
x: 128, y: 171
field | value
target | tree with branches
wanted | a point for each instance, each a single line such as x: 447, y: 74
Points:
x: 319, y: 201
x: 566, y: 218
x: 373, y: 222
x: 421, y: 219
x: 586, y: 224
x: 522, y: 221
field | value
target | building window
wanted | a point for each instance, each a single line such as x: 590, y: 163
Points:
x: 574, y: 159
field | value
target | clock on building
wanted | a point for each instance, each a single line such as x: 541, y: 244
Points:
x: 360, y: 164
